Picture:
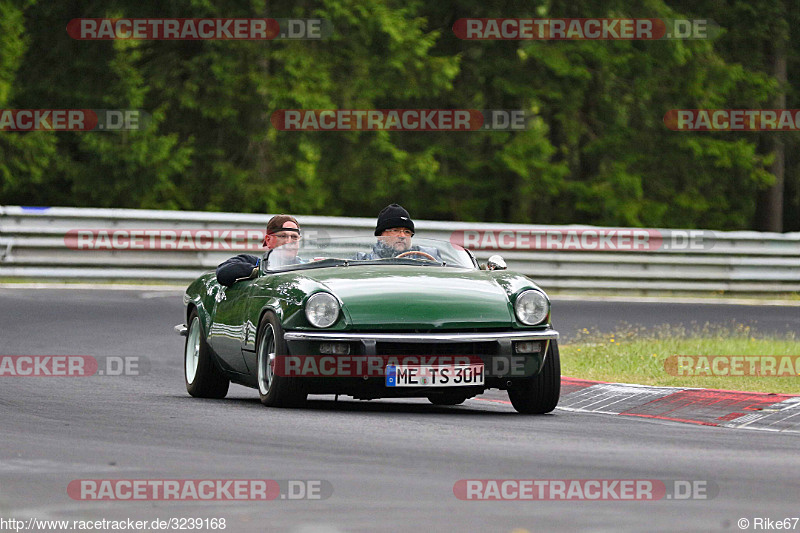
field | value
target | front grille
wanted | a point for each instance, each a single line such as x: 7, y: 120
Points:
x: 436, y: 348
x: 435, y: 330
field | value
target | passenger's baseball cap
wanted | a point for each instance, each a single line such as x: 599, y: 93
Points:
x: 277, y: 222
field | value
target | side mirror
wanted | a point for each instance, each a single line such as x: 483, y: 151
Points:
x: 496, y: 262
x: 253, y: 275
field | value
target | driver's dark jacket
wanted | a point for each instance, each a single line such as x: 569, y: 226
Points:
x: 381, y: 251
x: 236, y: 267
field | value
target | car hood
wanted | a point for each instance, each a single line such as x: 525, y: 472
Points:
x: 403, y: 297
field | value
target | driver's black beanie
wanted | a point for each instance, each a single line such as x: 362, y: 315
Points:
x: 393, y: 216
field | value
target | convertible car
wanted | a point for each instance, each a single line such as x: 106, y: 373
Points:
x: 335, y: 317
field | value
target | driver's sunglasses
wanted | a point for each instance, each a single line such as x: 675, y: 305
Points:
x: 400, y: 231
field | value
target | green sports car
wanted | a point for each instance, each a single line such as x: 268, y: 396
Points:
x: 340, y: 317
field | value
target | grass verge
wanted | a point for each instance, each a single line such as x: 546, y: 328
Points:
x: 637, y: 355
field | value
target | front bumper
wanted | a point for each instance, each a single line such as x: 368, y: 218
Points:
x: 497, y: 350
x: 489, y: 336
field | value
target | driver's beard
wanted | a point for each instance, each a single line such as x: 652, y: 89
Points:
x: 385, y: 251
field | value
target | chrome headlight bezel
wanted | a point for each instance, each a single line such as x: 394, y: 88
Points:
x: 322, y: 309
x: 531, y: 307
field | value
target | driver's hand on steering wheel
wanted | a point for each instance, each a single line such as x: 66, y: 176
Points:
x: 426, y: 255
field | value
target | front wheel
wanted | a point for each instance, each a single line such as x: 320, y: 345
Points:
x: 275, y: 390
x: 203, y: 378
x: 539, y: 394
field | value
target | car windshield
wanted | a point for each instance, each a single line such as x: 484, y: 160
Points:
x: 356, y: 251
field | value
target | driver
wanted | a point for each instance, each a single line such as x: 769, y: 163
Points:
x: 394, y: 231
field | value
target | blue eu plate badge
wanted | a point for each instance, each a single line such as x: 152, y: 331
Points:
x: 391, y: 376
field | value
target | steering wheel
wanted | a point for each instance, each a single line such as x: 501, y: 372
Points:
x: 417, y: 252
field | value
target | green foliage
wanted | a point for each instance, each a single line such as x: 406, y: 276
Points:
x: 597, y: 151
x: 24, y: 158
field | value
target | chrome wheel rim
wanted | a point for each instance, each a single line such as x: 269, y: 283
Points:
x: 192, y: 355
x: 266, y: 360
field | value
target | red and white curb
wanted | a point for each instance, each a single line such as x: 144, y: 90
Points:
x: 706, y: 407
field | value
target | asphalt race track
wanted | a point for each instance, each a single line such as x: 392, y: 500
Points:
x: 392, y: 465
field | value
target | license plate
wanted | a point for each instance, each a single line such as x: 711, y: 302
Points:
x: 434, y: 376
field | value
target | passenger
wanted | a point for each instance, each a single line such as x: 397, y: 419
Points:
x: 394, y: 231
x: 282, y: 230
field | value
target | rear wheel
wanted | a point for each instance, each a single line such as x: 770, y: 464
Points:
x: 275, y: 390
x: 539, y: 394
x: 203, y: 378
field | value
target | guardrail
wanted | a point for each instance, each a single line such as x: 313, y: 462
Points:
x: 33, y: 244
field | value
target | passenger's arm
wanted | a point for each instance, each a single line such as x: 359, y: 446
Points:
x: 234, y: 268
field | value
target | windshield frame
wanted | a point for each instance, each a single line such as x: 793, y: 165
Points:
x: 466, y: 262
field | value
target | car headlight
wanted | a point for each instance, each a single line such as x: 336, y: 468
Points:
x: 322, y: 309
x: 531, y: 307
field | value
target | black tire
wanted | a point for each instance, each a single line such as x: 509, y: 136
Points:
x: 275, y: 391
x: 539, y: 394
x: 208, y: 380
x: 448, y: 398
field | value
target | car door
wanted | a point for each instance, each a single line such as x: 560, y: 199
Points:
x: 228, y: 330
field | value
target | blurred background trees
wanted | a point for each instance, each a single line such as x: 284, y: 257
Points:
x: 598, y: 151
